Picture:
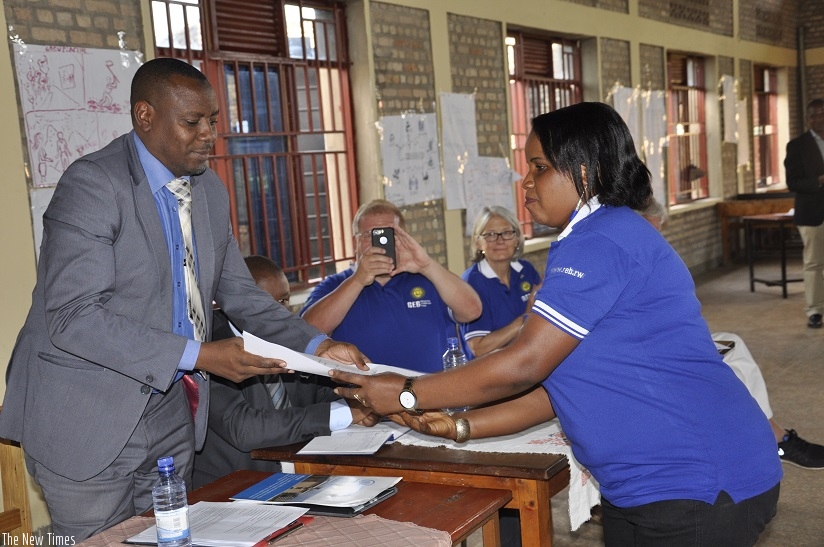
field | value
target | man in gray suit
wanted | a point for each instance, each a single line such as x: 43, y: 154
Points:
x: 805, y: 176
x: 267, y: 410
x: 92, y: 386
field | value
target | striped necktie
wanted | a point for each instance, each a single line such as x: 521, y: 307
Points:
x: 194, y: 303
x: 277, y: 391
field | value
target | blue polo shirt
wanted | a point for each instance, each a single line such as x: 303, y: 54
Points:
x: 403, y: 323
x: 645, y: 400
x: 501, y: 303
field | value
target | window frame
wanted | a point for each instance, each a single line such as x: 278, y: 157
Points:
x: 767, y: 168
x: 532, y: 70
x: 308, y: 231
x: 687, y: 165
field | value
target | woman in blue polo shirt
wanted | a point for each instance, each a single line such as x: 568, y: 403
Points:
x: 503, y: 280
x: 616, y: 341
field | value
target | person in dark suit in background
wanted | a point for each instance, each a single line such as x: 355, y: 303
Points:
x: 101, y: 380
x: 804, y: 165
x: 270, y: 410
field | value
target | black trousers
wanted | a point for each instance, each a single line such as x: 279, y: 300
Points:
x: 690, y: 523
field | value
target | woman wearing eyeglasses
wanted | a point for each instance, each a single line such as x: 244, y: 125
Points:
x: 505, y: 282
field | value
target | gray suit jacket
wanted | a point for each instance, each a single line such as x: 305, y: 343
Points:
x: 98, y: 337
x: 242, y: 417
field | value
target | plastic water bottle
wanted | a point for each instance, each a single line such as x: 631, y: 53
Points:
x: 171, y: 508
x: 452, y: 358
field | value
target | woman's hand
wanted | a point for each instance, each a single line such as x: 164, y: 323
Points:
x: 435, y: 423
x: 379, y: 392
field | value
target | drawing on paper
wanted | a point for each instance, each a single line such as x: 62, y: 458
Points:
x: 74, y: 101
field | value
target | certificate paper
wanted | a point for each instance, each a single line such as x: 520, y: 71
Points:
x: 312, y: 364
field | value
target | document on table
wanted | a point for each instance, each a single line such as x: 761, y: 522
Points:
x: 337, y: 495
x: 230, y: 524
x: 312, y: 364
x: 354, y: 440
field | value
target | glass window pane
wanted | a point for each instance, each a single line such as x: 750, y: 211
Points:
x: 178, y: 26
x: 161, y: 24
x: 195, y: 35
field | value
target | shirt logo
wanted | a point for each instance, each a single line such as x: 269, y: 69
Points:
x: 526, y: 286
x: 569, y: 271
x: 418, y: 293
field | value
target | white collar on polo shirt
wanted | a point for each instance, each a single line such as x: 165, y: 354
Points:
x: 486, y: 269
x: 587, y: 209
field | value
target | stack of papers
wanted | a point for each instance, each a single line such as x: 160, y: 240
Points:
x: 340, y: 495
x: 227, y: 524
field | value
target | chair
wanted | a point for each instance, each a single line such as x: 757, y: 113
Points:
x: 15, y: 518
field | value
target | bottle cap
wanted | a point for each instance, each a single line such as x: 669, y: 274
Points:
x: 451, y: 341
x: 166, y: 462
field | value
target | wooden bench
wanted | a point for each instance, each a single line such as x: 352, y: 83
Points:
x: 731, y: 211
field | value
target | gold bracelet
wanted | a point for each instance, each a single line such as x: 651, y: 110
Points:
x: 461, y: 430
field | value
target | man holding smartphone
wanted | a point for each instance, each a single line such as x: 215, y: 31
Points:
x: 397, y: 311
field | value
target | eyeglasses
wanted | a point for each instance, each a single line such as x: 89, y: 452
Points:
x: 492, y: 237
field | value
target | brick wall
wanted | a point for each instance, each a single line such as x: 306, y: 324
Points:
x: 615, y: 64
x: 87, y: 23
x: 745, y: 92
x: 811, y: 15
x: 768, y: 21
x: 695, y: 236
x: 709, y: 15
x: 815, y: 82
x: 792, y: 99
x: 478, y: 66
x: 402, y: 49
x: 405, y: 79
x: 612, y: 5
x: 653, y: 67
x: 729, y: 151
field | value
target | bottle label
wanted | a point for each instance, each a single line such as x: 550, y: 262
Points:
x: 172, y: 525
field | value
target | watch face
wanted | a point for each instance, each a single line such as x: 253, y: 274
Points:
x: 408, y: 399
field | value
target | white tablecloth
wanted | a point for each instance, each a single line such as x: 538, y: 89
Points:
x: 547, y: 438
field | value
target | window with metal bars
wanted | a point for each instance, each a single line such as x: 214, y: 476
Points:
x: 544, y: 75
x: 765, y: 127
x: 285, y: 146
x: 686, y: 129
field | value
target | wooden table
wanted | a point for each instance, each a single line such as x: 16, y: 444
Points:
x: 457, y: 510
x: 532, y: 478
x: 782, y: 222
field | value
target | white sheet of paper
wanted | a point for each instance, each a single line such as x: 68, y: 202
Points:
x: 312, y: 364
x: 352, y: 440
x: 230, y: 523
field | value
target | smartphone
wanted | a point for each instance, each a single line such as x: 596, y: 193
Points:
x: 385, y: 239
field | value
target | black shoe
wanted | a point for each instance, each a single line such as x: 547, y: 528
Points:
x: 795, y: 450
x: 814, y: 322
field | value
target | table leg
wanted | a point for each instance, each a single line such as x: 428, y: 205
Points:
x: 492, y: 532
x: 536, y: 514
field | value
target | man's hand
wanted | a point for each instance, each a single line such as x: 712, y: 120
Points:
x: 435, y: 423
x: 362, y: 415
x: 228, y: 359
x: 343, y: 352
x: 372, y: 263
x: 411, y: 256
